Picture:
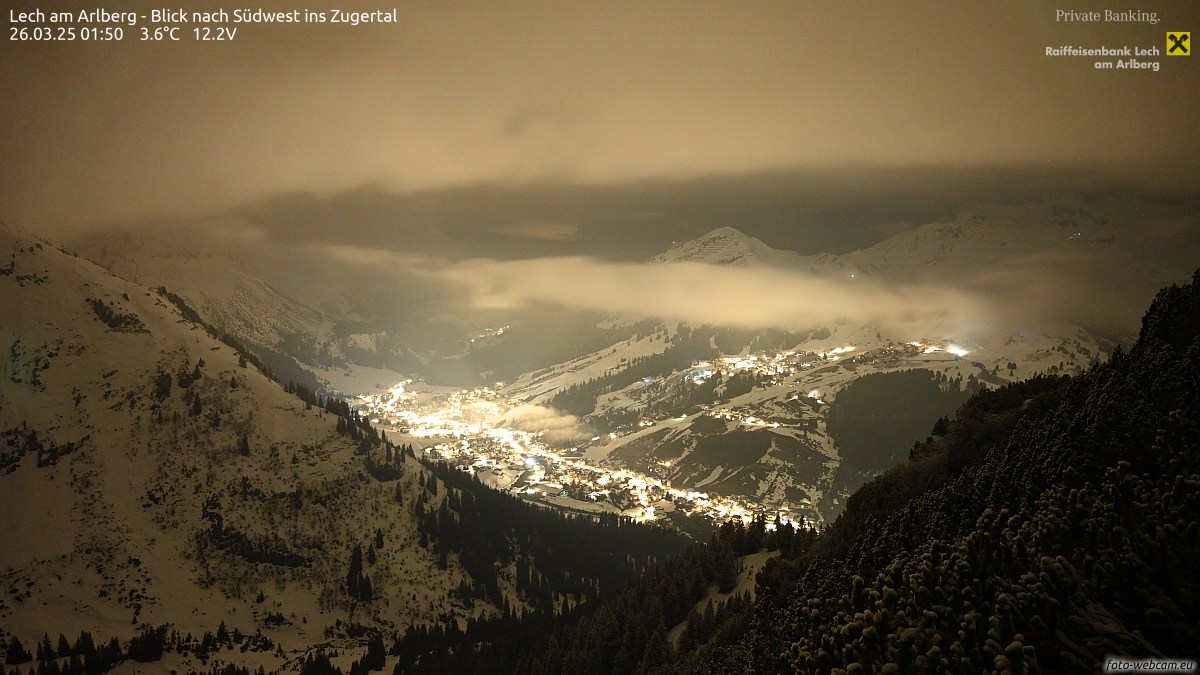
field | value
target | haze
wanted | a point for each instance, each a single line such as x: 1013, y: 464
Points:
x: 498, y: 143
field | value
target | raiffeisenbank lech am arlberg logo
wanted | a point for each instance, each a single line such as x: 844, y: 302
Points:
x: 1179, y: 44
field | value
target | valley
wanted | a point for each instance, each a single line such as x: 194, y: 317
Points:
x: 785, y: 397
x: 252, y: 462
x: 713, y: 422
x: 598, y: 338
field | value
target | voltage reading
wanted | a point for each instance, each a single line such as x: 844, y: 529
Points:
x: 215, y: 33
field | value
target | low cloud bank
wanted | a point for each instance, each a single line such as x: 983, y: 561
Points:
x: 700, y: 294
x: 555, y: 426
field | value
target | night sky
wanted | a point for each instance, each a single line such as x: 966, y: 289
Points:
x: 613, y: 127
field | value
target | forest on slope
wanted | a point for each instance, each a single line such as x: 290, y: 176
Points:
x: 1052, y: 523
x: 169, y: 500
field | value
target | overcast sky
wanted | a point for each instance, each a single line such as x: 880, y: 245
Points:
x: 573, y: 104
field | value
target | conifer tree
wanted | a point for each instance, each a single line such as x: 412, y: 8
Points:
x: 354, y: 576
x: 16, y: 653
x: 84, y: 644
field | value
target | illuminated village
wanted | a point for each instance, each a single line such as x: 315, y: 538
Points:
x: 484, y: 432
x: 474, y: 435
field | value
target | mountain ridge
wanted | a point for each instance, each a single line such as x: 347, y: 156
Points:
x: 988, y: 250
x: 728, y: 246
x: 1048, y: 527
x: 153, y: 477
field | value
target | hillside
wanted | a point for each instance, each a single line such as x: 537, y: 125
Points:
x: 756, y: 414
x: 1046, y: 541
x: 1047, y: 527
x: 230, y: 294
x: 159, y: 488
x: 728, y: 246
x: 150, y: 479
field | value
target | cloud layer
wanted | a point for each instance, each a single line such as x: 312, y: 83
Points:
x: 503, y: 94
x: 555, y: 426
x: 701, y: 294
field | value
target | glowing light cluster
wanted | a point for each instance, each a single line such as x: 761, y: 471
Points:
x: 478, y: 440
x: 930, y: 348
x: 476, y: 435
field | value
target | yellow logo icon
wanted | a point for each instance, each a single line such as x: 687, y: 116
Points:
x: 1179, y: 44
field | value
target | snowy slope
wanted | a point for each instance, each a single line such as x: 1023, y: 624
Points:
x: 797, y: 461
x: 128, y: 501
x: 1105, y: 247
x: 228, y: 293
x: 538, y: 386
x: 997, y: 249
x: 728, y: 246
x: 988, y: 233
x: 944, y: 251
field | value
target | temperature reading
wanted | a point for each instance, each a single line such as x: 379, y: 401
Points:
x: 161, y: 33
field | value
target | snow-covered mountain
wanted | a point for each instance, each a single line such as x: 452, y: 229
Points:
x: 728, y: 246
x: 152, y: 476
x: 1111, y: 246
x: 773, y: 443
x: 1043, y: 275
x: 225, y: 289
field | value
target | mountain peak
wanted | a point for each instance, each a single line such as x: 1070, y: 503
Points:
x: 727, y: 231
x: 727, y: 246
